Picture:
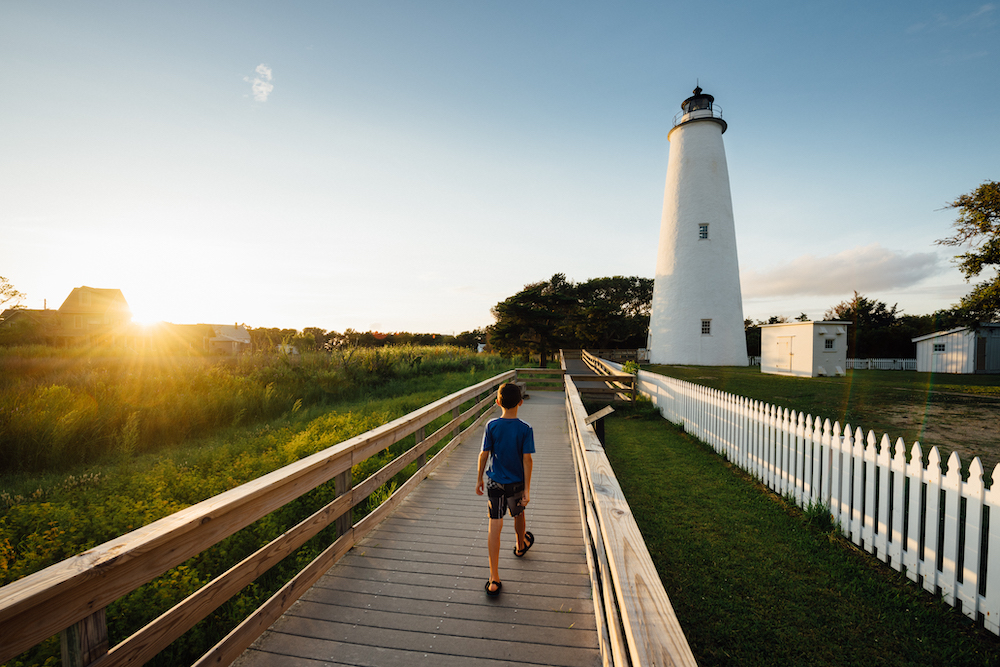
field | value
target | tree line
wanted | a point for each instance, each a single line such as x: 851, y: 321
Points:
x: 613, y: 312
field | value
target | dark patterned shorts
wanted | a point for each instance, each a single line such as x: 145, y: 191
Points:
x: 504, y: 497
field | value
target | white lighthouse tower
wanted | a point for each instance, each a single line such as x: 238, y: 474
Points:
x: 697, y: 309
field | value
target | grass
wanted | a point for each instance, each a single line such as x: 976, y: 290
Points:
x: 755, y: 581
x: 953, y: 412
x: 50, y: 515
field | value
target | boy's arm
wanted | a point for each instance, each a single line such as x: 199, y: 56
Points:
x: 483, y: 458
x: 526, y: 459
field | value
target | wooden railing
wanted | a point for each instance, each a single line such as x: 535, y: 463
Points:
x: 618, y: 384
x: 636, y: 622
x: 71, y: 596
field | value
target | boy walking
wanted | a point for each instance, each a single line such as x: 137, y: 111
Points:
x: 508, y: 444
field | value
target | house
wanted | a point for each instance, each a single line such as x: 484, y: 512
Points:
x: 804, y: 349
x: 960, y: 350
x: 228, y: 339
x: 91, y: 315
x: 27, y: 326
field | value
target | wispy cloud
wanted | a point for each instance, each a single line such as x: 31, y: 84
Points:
x: 866, y: 269
x: 261, y: 83
x: 982, y: 15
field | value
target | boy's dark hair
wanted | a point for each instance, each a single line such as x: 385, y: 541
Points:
x: 509, y: 395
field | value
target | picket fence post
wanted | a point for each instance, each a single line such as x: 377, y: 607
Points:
x: 857, y: 484
x: 952, y: 526
x: 931, y: 518
x: 975, y: 494
x: 913, y: 553
x: 884, y: 500
x: 897, y: 472
x: 869, y: 510
x: 991, y: 615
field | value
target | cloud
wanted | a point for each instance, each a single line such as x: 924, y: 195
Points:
x: 866, y: 269
x: 261, y: 83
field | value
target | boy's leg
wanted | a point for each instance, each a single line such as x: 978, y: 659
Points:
x: 496, y: 525
x: 519, y: 527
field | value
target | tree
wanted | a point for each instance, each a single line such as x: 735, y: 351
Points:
x: 612, y: 312
x: 874, y: 333
x: 8, y: 294
x: 978, y: 228
x: 534, y: 320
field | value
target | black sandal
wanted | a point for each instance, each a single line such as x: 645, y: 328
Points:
x: 495, y: 593
x: 529, y: 539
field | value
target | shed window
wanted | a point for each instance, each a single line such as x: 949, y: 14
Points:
x: 939, y: 347
x: 706, y: 327
x: 703, y: 231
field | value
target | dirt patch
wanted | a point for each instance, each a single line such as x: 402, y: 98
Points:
x: 971, y: 430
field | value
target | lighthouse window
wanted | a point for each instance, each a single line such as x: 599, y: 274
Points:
x: 703, y: 231
x: 706, y: 327
x: 828, y: 343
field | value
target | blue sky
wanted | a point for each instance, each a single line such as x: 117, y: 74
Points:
x: 407, y: 165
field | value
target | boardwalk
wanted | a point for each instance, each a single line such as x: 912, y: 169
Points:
x: 411, y: 593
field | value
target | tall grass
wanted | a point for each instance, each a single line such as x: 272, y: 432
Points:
x: 57, y: 412
x: 48, y: 516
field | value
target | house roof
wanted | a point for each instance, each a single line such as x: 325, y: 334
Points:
x: 100, y: 301
x: 233, y: 332
x: 44, y: 317
x: 798, y: 323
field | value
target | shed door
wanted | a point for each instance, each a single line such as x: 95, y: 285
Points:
x: 981, y: 353
x: 784, y: 357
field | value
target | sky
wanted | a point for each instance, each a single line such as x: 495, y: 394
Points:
x: 405, y: 166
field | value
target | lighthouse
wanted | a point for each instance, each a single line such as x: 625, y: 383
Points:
x: 697, y: 309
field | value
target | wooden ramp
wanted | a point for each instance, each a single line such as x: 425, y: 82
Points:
x: 411, y: 592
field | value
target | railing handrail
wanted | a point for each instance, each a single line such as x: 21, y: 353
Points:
x: 636, y: 622
x: 52, y: 600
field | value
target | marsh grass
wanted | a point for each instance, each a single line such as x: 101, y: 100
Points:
x: 53, y: 514
x: 756, y: 581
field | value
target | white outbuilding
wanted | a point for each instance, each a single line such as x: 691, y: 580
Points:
x: 804, y: 349
x: 960, y: 350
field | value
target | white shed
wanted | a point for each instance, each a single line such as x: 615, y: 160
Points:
x: 804, y: 349
x: 960, y: 351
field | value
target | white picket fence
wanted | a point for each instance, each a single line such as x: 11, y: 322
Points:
x: 866, y: 364
x: 934, y: 525
x: 882, y: 364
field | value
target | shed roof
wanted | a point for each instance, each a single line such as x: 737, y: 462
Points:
x: 938, y: 334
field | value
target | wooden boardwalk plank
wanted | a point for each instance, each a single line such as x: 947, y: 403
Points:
x: 411, y: 592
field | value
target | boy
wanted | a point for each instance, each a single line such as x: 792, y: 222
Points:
x: 508, y: 444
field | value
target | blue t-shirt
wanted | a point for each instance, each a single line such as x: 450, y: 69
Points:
x: 508, y: 439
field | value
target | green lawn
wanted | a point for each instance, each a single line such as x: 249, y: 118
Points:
x: 953, y: 412
x: 753, y: 582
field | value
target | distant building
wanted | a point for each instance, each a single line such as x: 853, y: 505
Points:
x: 229, y: 339
x: 960, y: 350
x: 804, y: 349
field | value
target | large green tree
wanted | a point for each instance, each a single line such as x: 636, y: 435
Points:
x: 535, y: 320
x: 978, y: 229
x: 612, y: 312
x: 599, y: 313
x: 875, y: 332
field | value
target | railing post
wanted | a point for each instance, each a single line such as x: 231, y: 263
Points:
x: 86, y: 641
x: 343, y: 483
x: 419, y: 437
